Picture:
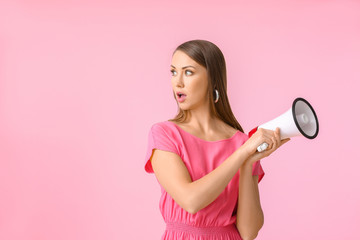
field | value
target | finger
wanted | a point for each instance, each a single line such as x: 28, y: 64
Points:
x: 270, y: 147
x: 265, y: 137
x: 271, y: 143
x: 268, y: 136
x: 274, y: 146
x: 277, y: 135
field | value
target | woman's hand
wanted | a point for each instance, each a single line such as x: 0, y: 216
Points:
x: 272, y: 138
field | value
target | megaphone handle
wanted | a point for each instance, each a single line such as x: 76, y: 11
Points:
x: 262, y: 146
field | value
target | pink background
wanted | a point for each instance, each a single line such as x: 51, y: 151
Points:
x: 81, y: 84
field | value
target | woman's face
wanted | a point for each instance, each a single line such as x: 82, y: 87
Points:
x: 189, y: 78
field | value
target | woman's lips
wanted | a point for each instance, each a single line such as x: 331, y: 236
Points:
x: 181, y: 98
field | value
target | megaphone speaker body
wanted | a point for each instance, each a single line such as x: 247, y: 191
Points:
x: 299, y: 120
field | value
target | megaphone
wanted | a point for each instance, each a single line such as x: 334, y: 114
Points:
x: 299, y: 120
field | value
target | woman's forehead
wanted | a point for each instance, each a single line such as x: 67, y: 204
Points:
x: 182, y: 59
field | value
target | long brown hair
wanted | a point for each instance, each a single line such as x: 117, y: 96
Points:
x: 210, y: 56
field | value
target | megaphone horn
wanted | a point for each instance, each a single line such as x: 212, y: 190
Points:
x: 299, y: 120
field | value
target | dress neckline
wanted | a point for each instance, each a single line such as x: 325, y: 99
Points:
x: 203, y: 140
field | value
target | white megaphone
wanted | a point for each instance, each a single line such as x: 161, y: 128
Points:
x: 300, y: 119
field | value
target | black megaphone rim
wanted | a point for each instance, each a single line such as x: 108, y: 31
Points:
x: 296, y: 122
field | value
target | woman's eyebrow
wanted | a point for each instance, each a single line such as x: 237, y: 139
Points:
x: 184, y: 67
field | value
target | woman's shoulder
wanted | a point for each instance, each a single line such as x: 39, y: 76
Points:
x: 162, y: 124
x: 163, y: 127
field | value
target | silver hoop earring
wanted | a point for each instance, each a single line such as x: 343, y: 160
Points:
x: 217, y: 96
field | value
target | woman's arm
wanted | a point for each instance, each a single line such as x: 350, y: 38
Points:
x: 192, y: 196
x: 250, y: 217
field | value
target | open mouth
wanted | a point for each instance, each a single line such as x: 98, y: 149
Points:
x: 181, y: 97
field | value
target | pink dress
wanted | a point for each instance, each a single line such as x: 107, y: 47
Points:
x: 217, y: 220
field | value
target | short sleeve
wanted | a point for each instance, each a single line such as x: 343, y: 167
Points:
x: 258, y: 170
x: 158, y: 138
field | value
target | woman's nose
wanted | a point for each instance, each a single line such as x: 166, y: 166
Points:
x: 180, y: 81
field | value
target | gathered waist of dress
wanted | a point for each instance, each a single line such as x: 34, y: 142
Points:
x: 201, y: 230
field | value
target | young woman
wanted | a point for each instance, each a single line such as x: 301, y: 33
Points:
x: 207, y: 167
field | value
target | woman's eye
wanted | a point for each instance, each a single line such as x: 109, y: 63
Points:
x: 173, y: 72
x: 188, y: 72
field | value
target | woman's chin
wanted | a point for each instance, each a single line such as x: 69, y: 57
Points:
x: 183, y: 106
